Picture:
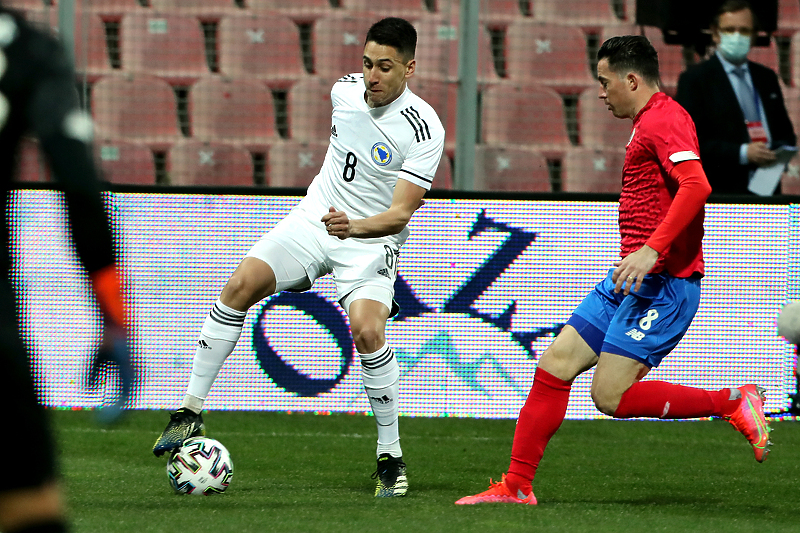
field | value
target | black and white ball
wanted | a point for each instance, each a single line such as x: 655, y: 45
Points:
x: 200, y: 466
x: 789, y: 322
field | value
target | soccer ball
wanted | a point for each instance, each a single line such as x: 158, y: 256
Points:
x: 200, y: 466
x: 789, y: 322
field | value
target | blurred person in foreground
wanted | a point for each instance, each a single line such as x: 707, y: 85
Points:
x: 385, y: 147
x: 642, y: 309
x: 37, y: 95
x: 737, y: 105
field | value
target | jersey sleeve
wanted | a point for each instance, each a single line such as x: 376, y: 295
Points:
x: 420, y: 166
x: 674, y: 140
x: 65, y: 132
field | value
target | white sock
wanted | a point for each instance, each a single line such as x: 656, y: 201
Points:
x: 381, y: 373
x: 218, y: 338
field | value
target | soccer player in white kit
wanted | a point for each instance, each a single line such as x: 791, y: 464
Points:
x: 385, y: 147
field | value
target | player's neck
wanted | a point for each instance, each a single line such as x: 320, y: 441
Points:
x: 642, y: 99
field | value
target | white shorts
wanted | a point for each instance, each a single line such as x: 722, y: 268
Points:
x: 300, y: 250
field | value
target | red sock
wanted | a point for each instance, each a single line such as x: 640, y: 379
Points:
x: 659, y: 399
x: 539, y: 419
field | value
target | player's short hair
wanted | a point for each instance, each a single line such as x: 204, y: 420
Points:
x: 395, y: 32
x: 734, y: 6
x: 631, y: 53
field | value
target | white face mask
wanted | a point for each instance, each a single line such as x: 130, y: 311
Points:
x: 734, y: 47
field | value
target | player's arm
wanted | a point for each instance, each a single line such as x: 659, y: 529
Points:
x: 693, y: 191
x: 406, y: 200
x: 65, y: 132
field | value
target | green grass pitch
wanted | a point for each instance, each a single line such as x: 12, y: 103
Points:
x: 308, y: 473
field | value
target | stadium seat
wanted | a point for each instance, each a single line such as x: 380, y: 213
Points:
x: 437, y: 50
x: 260, y: 47
x: 202, y: 9
x: 193, y: 162
x: 528, y: 115
x: 548, y: 54
x: 788, y: 15
x: 498, y: 14
x: 91, y: 52
x: 164, y: 45
x: 301, y: 11
x: 589, y: 13
x: 591, y: 170
x: 597, y: 127
x: 295, y: 164
x: 309, y: 110
x: 26, y: 5
x: 443, y: 97
x: 139, y: 108
x: 766, y: 55
x: 233, y: 111
x: 670, y: 59
x: 31, y: 166
x: 409, y: 9
x: 499, y: 168
x: 126, y: 163
x: 338, y: 43
x: 443, y: 179
x: 109, y: 9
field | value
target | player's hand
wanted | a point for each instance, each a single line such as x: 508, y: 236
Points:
x: 759, y: 154
x: 337, y: 223
x: 630, y: 272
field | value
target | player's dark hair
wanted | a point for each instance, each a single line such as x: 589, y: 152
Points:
x: 395, y: 32
x: 631, y: 53
x: 734, y: 6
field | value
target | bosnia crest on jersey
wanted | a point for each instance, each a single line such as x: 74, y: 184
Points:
x: 381, y: 154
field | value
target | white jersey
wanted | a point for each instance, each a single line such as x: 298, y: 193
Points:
x: 370, y: 149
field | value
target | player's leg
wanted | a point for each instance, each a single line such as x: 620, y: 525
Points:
x: 573, y: 351
x: 368, y: 310
x: 275, y: 263
x: 642, y: 333
x: 30, y: 497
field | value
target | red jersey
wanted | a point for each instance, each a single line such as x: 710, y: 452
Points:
x: 663, y: 135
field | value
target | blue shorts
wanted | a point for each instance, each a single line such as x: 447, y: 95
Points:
x: 644, y: 325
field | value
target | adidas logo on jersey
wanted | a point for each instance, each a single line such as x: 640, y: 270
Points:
x: 384, y: 272
x: 333, y: 131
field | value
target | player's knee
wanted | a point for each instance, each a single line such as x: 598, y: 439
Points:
x: 368, y: 338
x: 605, y: 399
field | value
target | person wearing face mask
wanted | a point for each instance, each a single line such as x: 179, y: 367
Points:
x: 736, y: 104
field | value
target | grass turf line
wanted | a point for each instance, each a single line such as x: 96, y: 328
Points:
x: 307, y: 473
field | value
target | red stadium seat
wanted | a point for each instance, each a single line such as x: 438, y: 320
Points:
x: 437, y: 50
x: 140, y: 108
x: 109, y: 9
x: 124, y: 162
x: 164, y: 45
x: 338, y: 43
x: 31, y: 166
x: 499, y: 168
x: 202, y: 9
x: 594, y: 13
x: 528, y: 115
x: 233, y: 111
x: 309, y: 110
x: 443, y: 97
x: 548, y: 54
x: 590, y: 170
x: 766, y: 55
x: 193, y: 162
x: 443, y: 179
x: 302, y: 11
x: 788, y: 15
x: 670, y: 59
x: 397, y: 8
x: 597, y: 127
x: 260, y: 47
x: 295, y: 164
x: 91, y: 53
x: 500, y: 13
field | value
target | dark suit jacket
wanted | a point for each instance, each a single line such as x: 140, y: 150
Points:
x: 706, y: 93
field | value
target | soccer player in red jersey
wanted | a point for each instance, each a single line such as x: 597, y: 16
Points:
x: 642, y: 309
